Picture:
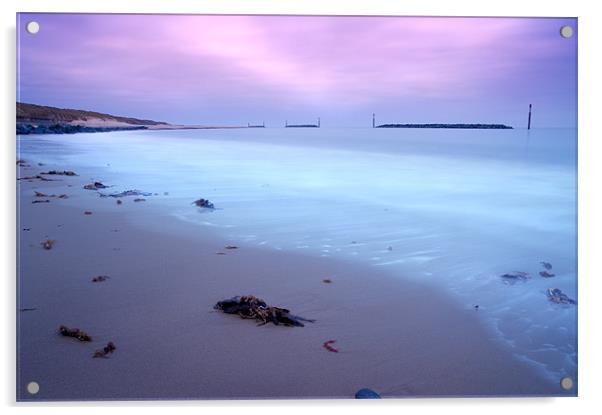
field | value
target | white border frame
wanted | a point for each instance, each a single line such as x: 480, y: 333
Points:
x: 590, y: 33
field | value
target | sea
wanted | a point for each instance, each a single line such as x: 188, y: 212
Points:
x: 453, y: 209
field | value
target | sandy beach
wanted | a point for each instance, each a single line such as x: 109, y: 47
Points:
x: 394, y: 336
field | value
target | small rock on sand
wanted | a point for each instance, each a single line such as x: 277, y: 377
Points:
x: 366, y: 394
x: 47, y: 244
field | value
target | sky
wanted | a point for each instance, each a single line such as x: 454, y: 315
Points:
x: 231, y: 70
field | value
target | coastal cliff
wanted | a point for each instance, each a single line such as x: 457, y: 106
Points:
x: 39, y: 119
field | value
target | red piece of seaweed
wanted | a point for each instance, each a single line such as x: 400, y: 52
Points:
x: 327, y: 346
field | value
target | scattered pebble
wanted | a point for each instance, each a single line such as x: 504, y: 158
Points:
x: 87, y: 212
x: 119, y: 202
x: 47, y: 244
x: 139, y: 199
x: 327, y: 281
x: 547, y: 274
x: 546, y: 265
x: 100, y: 278
x: 230, y: 247
x: 41, y: 201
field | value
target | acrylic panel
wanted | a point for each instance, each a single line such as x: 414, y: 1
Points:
x: 269, y: 207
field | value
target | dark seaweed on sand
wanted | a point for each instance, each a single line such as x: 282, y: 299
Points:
x: 251, y: 307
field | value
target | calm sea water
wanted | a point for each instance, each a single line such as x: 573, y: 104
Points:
x: 451, y: 208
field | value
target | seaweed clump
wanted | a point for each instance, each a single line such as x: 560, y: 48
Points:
x: 556, y: 296
x: 204, y: 203
x: 95, y: 186
x: 515, y: 276
x: 127, y: 193
x: 251, y: 307
x: 60, y: 173
x: 105, y: 351
x: 76, y: 333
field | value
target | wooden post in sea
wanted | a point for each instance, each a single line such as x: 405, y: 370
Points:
x: 318, y: 122
x: 373, y: 120
x: 529, y: 122
x: 286, y: 123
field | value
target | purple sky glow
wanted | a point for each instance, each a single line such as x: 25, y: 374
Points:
x: 238, y: 69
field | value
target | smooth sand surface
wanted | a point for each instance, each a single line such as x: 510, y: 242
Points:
x: 396, y: 337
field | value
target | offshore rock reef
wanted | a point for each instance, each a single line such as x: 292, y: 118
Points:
x: 465, y: 126
x: 24, y: 129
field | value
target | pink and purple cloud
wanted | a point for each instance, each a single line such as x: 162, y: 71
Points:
x: 234, y: 69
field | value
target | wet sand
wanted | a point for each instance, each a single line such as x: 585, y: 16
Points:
x: 396, y: 337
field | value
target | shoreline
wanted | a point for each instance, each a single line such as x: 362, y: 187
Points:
x: 60, y: 129
x: 394, y: 336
